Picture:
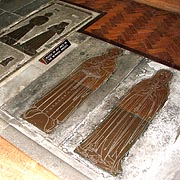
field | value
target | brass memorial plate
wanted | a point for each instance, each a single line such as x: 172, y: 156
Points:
x: 73, y: 90
x: 110, y: 142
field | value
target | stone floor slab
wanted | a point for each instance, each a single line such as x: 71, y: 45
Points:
x: 39, y: 32
x: 31, y: 71
x: 167, y: 167
x: 30, y: 7
x: 153, y: 156
x: 7, y: 18
x: 160, y: 135
x: 10, y: 60
x: 18, y: 83
x: 1, y: 11
x: 44, y: 67
x: 3, y: 125
x: 12, y: 5
x: 113, y: 138
x: 58, y: 72
x: 61, y: 101
x: 19, y: 104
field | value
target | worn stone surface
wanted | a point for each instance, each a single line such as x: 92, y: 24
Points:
x: 113, y: 138
x: 22, y: 78
x: 1, y: 11
x: 18, y: 83
x: 167, y: 166
x: 30, y: 7
x: 147, y: 152
x: 26, y: 75
x: 17, y: 59
x: 38, y: 32
x: 7, y: 18
x: 3, y: 125
x: 154, y: 156
x: 12, y: 5
x: 156, y: 141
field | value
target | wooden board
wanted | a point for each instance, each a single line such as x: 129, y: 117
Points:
x: 14, y: 164
x: 169, y: 5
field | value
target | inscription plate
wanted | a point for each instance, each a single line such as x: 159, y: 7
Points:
x: 55, y: 52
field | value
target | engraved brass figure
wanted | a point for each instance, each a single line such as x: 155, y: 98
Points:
x: 73, y: 90
x: 110, y: 142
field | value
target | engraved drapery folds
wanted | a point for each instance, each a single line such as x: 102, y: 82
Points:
x: 109, y: 143
x: 64, y: 98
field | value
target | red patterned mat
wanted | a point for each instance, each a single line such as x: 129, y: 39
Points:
x: 137, y: 27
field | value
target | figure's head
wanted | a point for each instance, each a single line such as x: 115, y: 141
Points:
x: 63, y: 24
x: 48, y: 14
x: 114, y: 51
x: 164, y: 75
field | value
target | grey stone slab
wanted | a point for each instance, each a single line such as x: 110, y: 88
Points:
x: 44, y: 67
x: 62, y: 15
x: 15, y: 85
x: 167, y: 167
x: 41, y: 155
x: 11, y: 5
x: 25, y: 10
x: 7, y: 18
x: 3, y: 125
x: 143, y: 156
x: 1, y: 11
x: 18, y: 105
x: 24, y: 76
x: 18, y: 59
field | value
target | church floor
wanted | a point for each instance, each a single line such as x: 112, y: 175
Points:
x: 66, y: 68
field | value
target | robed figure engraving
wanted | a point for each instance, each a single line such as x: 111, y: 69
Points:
x: 73, y: 90
x: 31, y: 46
x: 110, y: 142
x: 13, y: 37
